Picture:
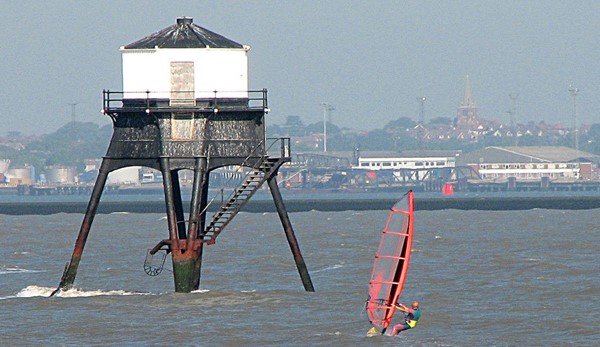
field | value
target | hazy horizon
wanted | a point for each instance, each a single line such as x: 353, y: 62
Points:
x: 369, y: 60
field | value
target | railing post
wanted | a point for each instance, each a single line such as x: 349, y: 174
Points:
x: 265, y: 102
x: 285, y: 147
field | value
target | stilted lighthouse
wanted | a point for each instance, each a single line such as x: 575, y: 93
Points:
x: 186, y: 104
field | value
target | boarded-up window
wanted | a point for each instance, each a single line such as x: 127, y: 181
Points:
x: 182, y: 84
x: 182, y: 126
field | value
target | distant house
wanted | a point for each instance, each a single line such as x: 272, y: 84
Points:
x: 532, y: 163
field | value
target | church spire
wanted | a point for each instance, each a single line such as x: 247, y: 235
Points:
x: 467, y: 112
x: 468, y: 100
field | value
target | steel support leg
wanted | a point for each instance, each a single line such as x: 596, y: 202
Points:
x: 185, y: 260
x: 289, y: 233
x: 70, y: 272
x: 179, y: 215
x: 197, y: 217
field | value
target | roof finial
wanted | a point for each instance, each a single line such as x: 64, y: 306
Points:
x: 184, y: 20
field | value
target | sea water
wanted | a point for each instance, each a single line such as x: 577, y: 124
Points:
x: 495, y: 278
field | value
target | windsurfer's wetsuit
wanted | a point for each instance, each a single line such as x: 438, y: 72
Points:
x: 412, y: 318
x: 410, y: 322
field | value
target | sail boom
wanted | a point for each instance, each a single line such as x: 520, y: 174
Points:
x: 389, y: 257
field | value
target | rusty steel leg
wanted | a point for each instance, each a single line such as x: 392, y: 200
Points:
x: 70, y: 272
x: 169, y: 201
x: 197, y: 203
x: 289, y: 233
x: 184, y: 259
x: 196, y: 216
x: 178, y: 205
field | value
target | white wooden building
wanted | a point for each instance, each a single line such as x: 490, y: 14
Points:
x: 216, y: 69
x: 405, y: 160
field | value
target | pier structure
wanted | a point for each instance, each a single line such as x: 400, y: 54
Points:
x: 186, y: 105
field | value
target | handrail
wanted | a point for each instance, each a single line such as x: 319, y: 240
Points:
x: 285, y: 152
x: 230, y: 179
x: 132, y: 101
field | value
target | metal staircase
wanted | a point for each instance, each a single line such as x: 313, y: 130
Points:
x: 253, y: 181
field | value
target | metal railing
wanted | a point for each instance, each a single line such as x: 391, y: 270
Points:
x: 148, y: 101
x: 281, y: 151
x: 251, y: 161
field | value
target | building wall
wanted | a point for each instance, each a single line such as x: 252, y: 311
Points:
x: 222, y: 70
x: 532, y: 171
x: 404, y: 163
x: 586, y: 171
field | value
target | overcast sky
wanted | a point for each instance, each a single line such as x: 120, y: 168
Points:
x: 369, y: 59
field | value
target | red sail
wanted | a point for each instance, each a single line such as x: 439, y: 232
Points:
x: 391, y: 263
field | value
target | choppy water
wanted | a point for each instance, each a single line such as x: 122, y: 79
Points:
x: 505, y: 278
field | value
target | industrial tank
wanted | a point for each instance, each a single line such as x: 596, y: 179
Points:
x: 127, y: 175
x: 20, y: 175
x: 60, y: 174
x: 4, y: 164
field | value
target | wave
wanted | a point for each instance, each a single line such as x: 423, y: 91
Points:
x: 38, y: 291
x: 15, y: 270
x: 333, y: 267
x: 200, y: 291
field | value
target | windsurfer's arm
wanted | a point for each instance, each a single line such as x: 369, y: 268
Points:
x: 403, y: 308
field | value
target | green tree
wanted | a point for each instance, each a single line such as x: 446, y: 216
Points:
x: 70, y: 145
x: 401, y: 123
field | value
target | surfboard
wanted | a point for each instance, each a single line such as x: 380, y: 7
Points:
x: 391, y: 265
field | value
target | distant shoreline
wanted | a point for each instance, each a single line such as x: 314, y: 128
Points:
x: 325, y: 205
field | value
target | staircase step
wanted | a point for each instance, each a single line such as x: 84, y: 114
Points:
x: 232, y: 207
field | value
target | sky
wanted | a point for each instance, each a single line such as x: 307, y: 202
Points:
x: 370, y: 60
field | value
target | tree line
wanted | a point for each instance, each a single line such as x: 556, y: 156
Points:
x: 75, y: 142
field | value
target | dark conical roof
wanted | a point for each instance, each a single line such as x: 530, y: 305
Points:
x: 184, y: 34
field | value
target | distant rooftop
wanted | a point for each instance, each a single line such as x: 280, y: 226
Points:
x: 184, y: 34
x: 525, y: 154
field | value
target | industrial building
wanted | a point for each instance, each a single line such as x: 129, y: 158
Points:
x: 532, y: 163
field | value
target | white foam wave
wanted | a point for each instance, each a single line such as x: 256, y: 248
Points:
x: 333, y: 267
x: 15, y: 270
x: 200, y: 291
x: 119, y: 212
x: 36, y: 291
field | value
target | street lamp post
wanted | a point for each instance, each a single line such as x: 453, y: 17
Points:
x: 573, y: 91
x: 327, y: 108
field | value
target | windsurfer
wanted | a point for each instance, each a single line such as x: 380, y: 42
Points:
x: 412, y: 317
